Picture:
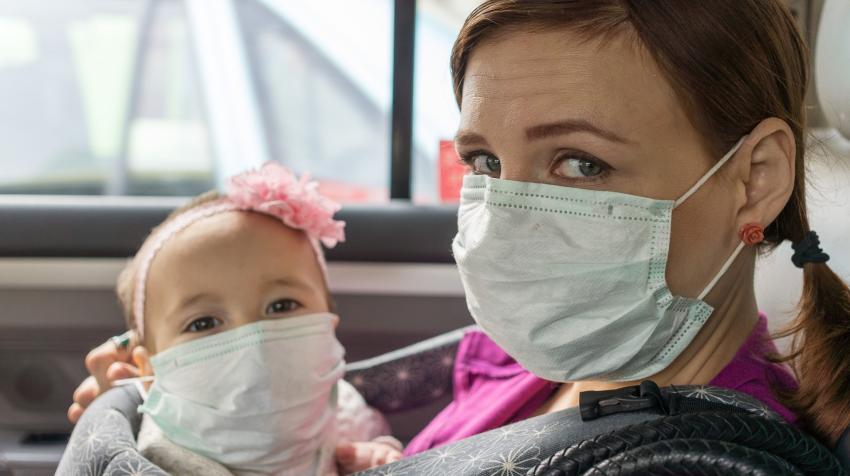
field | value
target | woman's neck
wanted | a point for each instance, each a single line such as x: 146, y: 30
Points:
x: 715, y: 345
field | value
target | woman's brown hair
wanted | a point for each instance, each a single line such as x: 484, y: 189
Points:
x: 733, y: 63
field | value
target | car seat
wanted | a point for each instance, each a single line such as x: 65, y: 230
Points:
x: 636, y: 430
x: 842, y: 450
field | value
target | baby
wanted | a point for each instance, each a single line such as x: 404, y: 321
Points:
x: 229, y: 298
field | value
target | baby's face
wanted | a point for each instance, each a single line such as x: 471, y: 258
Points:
x: 226, y: 271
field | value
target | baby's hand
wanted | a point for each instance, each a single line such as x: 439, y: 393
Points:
x: 359, y: 456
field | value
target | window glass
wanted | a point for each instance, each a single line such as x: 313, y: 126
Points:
x: 323, y: 71
x: 436, y: 172
x: 168, y: 147
x: 99, y: 97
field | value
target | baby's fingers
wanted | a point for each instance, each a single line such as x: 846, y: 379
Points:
x: 393, y: 456
x: 86, y: 392
x: 103, y: 356
x: 384, y: 455
x: 83, y: 396
x: 75, y: 411
x: 121, y: 370
x: 346, y: 454
x: 353, y: 457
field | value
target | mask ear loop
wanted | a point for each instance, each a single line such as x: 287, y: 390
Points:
x: 713, y: 170
x: 136, y: 382
x: 722, y: 271
x: 710, y: 173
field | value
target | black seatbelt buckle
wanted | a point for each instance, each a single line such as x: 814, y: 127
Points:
x: 596, y: 404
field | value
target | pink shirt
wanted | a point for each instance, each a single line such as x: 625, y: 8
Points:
x: 491, y: 389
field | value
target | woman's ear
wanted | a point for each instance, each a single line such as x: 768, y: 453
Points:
x: 768, y: 171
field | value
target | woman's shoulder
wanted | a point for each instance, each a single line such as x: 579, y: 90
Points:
x: 478, y: 353
x: 481, y: 362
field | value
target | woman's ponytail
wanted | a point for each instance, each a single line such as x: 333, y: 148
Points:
x: 820, y: 354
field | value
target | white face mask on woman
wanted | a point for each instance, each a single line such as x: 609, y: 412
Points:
x: 259, y: 399
x: 572, y: 282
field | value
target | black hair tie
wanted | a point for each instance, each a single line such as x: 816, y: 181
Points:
x: 808, y: 250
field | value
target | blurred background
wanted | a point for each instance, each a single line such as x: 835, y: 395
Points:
x: 166, y: 97
x: 113, y: 112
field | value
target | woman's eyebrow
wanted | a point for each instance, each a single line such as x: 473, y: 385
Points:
x: 469, y: 138
x: 571, y: 126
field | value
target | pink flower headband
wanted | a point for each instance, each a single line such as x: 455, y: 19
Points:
x: 272, y: 190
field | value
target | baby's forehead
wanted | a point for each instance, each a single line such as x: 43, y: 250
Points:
x: 233, y: 252
x: 241, y: 225
x: 235, y: 231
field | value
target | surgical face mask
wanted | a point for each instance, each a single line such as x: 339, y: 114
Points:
x: 259, y: 399
x: 571, y: 282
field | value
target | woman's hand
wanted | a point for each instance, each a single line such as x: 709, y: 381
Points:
x: 106, y: 363
x: 360, y: 456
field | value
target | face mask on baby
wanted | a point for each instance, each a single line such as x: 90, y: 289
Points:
x: 572, y: 282
x: 260, y: 398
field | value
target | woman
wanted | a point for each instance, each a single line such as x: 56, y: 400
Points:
x: 629, y: 159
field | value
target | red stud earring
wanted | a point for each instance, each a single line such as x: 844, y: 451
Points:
x: 752, y: 234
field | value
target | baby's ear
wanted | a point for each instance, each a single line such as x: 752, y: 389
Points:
x: 142, y: 359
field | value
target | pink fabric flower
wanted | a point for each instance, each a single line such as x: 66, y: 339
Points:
x: 274, y: 190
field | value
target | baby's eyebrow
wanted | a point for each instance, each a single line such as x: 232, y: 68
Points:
x: 194, y: 299
x: 289, y: 281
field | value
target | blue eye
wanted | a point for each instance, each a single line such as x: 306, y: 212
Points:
x: 581, y: 168
x: 202, y: 324
x: 283, y: 306
x: 484, y: 164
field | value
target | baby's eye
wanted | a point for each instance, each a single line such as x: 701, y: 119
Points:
x: 283, y: 305
x: 203, y: 324
x: 483, y: 164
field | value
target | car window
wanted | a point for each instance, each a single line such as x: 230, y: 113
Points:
x: 436, y: 172
x: 323, y: 72
x: 168, y: 150
x: 112, y: 96
x: 65, y: 75
x: 99, y: 97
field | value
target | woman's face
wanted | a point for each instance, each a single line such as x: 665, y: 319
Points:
x: 548, y: 107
